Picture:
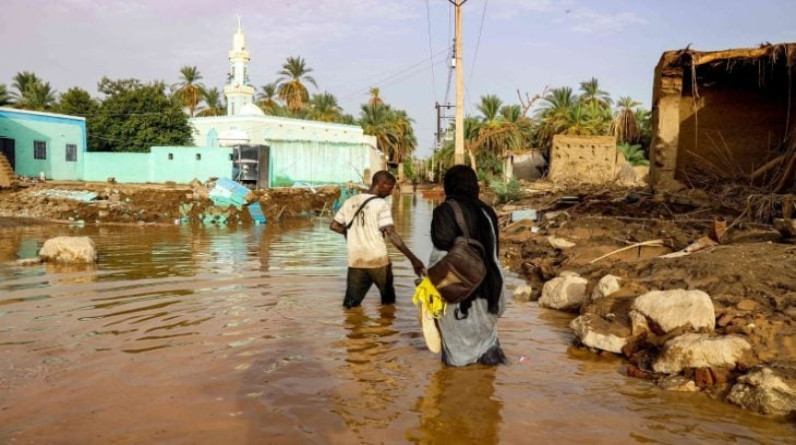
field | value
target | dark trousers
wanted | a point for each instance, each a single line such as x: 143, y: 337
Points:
x: 359, y: 282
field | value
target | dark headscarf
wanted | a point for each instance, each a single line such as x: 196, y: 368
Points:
x: 461, y: 185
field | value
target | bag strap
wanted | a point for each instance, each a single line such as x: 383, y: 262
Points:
x: 362, y: 206
x: 460, y: 221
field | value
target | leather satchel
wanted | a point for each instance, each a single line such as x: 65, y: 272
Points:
x: 459, y: 273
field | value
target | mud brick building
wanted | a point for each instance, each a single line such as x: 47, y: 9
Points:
x: 726, y: 114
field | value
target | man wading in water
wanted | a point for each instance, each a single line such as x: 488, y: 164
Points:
x: 366, y: 220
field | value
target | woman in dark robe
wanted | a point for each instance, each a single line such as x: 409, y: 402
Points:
x: 469, y: 329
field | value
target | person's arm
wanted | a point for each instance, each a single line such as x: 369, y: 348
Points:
x: 395, y: 239
x: 337, y: 227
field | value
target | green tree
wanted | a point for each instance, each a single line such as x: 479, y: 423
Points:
x: 634, y: 155
x: 267, y: 98
x: 111, y: 87
x: 189, y: 90
x: 136, y: 117
x: 32, y: 93
x: 495, y: 134
x: 77, y: 102
x: 5, y: 96
x: 393, y: 131
x: 291, y: 80
x: 624, y: 125
x: 375, y: 99
x: 214, y: 104
x: 323, y: 107
x: 592, y: 94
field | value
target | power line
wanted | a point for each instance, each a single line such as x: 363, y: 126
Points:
x: 431, y: 51
x: 475, y: 54
x: 397, y: 75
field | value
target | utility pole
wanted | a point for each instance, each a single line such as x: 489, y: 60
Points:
x: 458, y: 152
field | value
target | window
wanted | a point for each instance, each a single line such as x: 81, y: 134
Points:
x: 198, y: 156
x: 39, y: 150
x: 71, y: 153
x: 171, y: 156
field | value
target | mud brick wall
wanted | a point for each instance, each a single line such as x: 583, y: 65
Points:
x: 723, y: 113
x: 585, y: 159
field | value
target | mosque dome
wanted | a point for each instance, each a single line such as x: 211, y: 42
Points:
x: 251, y: 109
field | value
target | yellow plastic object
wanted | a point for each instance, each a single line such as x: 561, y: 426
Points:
x: 431, y: 306
x: 427, y: 295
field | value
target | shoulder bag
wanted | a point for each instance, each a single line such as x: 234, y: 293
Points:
x: 459, y: 273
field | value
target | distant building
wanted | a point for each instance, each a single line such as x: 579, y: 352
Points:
x: 34, y: 142
x: 297, y: 150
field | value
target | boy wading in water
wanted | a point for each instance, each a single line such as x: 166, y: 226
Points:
x: 365, y: 220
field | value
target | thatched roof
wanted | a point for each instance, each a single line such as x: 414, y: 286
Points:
x: 689, y: 57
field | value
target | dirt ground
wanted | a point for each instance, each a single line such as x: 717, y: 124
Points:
x: 151, y: 203
x: 750, y: 275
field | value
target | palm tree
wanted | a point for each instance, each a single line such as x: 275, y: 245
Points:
x: 213, y: 101
x: 22, y: 80
x: 393, y: 131
x: 374, y: 97
x: 37, y: 96
x: 625, y: 125
x: 591, y: 93
x: 291, y: 89
x: 554, y: 116
x: 5, y: 97
x: 267, y: 98
x: 494, y: 135
x: 324, y: 108
x: 189, y: 89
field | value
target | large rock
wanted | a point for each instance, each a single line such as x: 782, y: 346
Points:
x: 69, y: 249
x: 606, y: 286
x: 598, y: 333
x: 700, y: 351
x: 564, y: 292
x: 672, y: 309
x: 762, y: 390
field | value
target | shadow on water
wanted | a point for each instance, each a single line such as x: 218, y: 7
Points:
x: 237, y: 335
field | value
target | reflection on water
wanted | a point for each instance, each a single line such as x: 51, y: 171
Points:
x: 237, y: 335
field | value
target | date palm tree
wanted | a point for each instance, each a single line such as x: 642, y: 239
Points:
x: 393, y: 130
x: 291, y: 80
x: 214, y: 104
x: 22, y: 80
x: 374, y: 96
x: 267, y: 98
x: 625, y: 125
x: 189, y: 89
x: 323, y: 107
x: 5, y: 96
x: 592, y: 94
x: 495, y: 134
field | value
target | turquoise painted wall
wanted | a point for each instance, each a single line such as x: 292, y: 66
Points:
x: 188, y: 163
x: 124, y: 167
x: 56, y: 130
x: 156, y: 166
x: 313, y: 162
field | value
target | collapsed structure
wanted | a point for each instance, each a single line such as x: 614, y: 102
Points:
x: 724, y: 114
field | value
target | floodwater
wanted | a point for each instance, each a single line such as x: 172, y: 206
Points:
x: 217, y: 335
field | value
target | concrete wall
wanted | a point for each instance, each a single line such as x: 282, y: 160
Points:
x: 156, y: 166
x: 56, y: 130
x: 300, y: 150
x: 585, y: 159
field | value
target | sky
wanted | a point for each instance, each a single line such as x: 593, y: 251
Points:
x: 400, y: 46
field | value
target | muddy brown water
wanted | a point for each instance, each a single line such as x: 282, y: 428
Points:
x: 217, y: 335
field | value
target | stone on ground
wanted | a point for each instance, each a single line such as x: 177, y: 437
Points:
x: 598, y: 333
x: 565, y: 293
x: 69, y: 249
x: 762, y: 390
x: 606, y: 286
x: 672, y: 309
x: 700, y: 351
x: 523, y: 293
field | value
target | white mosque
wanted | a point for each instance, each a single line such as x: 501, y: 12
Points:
x: 295, y: 150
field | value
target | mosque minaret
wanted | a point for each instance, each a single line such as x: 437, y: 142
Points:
x: 238, y: 91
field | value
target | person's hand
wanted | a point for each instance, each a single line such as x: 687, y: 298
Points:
x: 420, y: 269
